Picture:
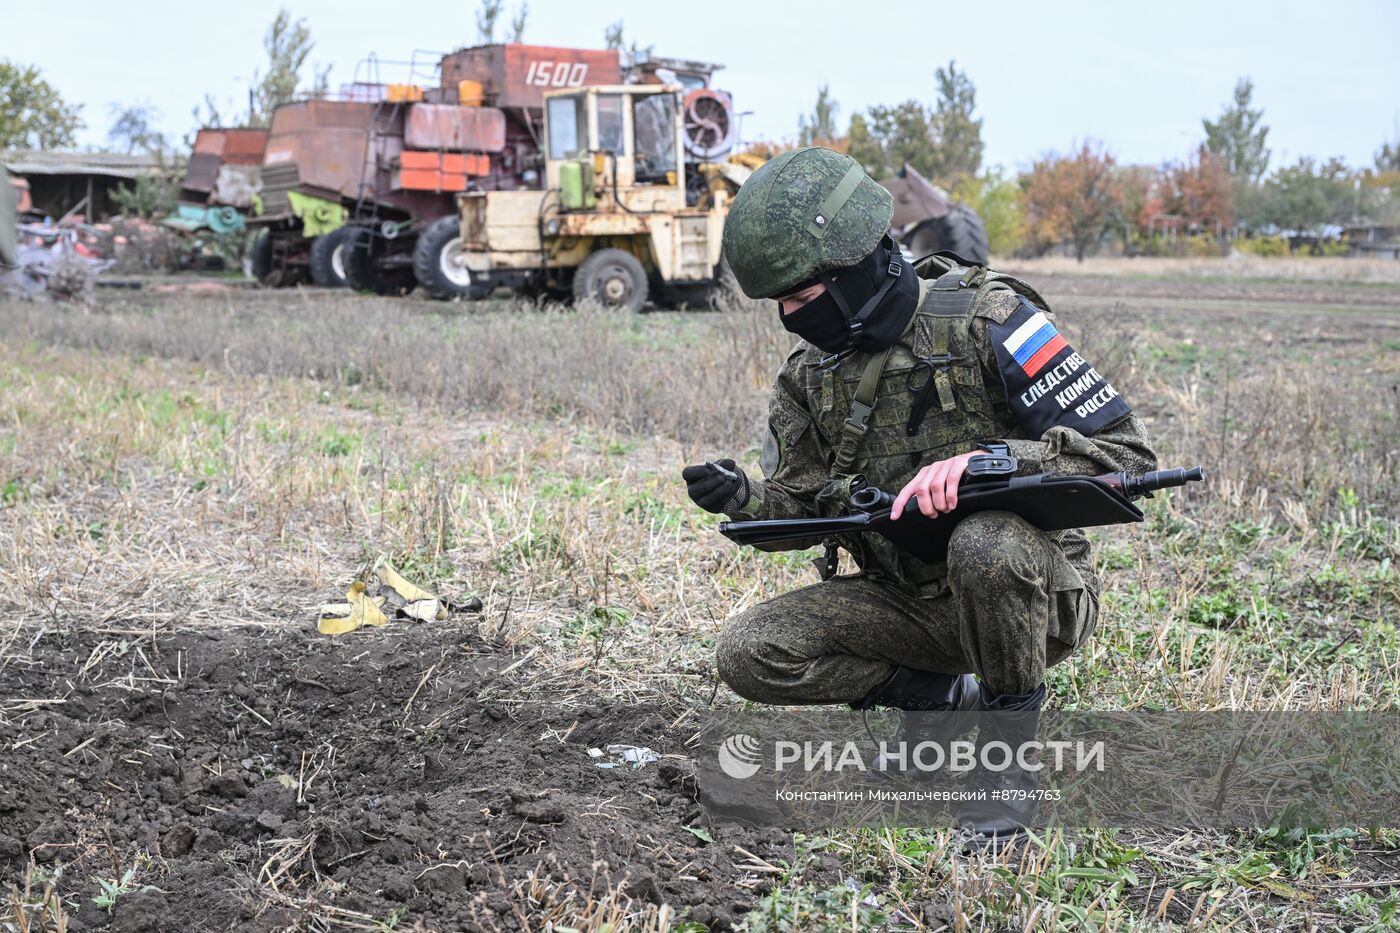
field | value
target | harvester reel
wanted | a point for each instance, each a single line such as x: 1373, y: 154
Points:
x: 710, y: 126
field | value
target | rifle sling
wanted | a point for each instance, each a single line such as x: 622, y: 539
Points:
x: 862, y: 406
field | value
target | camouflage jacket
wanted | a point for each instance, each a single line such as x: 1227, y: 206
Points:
x: 812, y: 397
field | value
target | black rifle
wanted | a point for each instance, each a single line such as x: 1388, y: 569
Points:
x: 1049, y: 501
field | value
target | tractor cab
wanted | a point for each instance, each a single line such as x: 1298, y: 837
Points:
x: 615, y: 148
x: 613, y: 220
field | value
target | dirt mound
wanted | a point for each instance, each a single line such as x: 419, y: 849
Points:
x: 259, y: 780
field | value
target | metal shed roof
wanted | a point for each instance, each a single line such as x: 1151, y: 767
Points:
x: 112, y: 164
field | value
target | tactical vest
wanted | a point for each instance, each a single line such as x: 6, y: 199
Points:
x: 933, y: 373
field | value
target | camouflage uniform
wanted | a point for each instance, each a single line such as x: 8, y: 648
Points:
x: 1010, y: 600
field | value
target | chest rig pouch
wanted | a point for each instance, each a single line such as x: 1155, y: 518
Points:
x: 922, y: 399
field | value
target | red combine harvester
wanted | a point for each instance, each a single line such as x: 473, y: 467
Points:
x: 363, y: 190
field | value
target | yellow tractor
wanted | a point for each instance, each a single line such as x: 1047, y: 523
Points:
x: 622, y: 214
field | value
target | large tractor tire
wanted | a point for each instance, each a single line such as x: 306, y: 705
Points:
x: 328, y: 258
x: 363, y: 270
x: 261, y: 256
x: 613, y: 278
x: 437, y: 263
x: 960, y: 232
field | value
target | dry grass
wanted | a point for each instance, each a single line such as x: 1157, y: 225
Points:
x: 648, y: 375
x: 238, y: 458
x: 1236, y: 266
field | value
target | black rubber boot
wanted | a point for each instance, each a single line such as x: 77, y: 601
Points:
x: 1010, y: 803
x: 923, y: 691
x: 933, y: 708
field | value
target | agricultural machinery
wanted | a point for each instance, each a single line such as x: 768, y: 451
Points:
x: 362, y: 189
x: 221, y: 184
x: 570, y: 172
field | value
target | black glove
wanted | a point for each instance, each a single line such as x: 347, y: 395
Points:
x: 717, y: 486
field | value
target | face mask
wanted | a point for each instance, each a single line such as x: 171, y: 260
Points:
x: 820, y: 323
x: 881, y: 292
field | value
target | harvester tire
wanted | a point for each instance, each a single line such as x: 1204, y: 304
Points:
x: 960, y: 232
x: 261, y: 256
x: 363, y: 272
x: 614, y: 279
x: 436, y: 265
x: 328, y: 258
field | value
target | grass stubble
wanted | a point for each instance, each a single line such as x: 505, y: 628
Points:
x: 235, y: 458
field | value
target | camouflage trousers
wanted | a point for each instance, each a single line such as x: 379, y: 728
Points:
x: 1013, y: 605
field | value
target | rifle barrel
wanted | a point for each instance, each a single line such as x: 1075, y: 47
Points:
x: 1161, y: 479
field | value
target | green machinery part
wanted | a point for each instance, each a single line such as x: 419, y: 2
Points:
x: 317, y: 215
x: 576, y: 186
x: 195, y: 217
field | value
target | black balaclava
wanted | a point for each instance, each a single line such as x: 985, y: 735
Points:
x: 865, y: 307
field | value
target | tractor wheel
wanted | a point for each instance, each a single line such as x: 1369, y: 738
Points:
x: 961, y: 232
x: 614, y: 278
x: 328, y: 258
x: 261, y: 256
x: 437, y: 263
x: 364, y: 272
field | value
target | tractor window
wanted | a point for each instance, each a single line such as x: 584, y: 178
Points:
x: 567, y: 129
x: 610, y: 123
x: 654, y: 123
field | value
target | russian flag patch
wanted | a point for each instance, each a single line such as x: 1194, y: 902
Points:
x: 1034, y: 344
x: 1047, y: 383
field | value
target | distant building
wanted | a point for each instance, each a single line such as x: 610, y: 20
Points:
x: 76, y: 182
x: 1381, y: 241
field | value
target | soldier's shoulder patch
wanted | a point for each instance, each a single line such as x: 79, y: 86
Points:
x: 1049, y: 384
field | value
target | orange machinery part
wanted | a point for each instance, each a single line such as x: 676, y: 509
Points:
x: 453, y: 163
x: 466, y: 164
x: 470, y: 93
x: 421, y: 180
x: 413, y: 159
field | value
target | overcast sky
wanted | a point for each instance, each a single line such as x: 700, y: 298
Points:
x: 1139, y: 76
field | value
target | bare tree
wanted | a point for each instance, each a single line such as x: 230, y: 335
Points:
x: 819, y: 129
x: 133, y: 129
x: 288, y: 46
x: 486, y: 19
x: 612, y: 35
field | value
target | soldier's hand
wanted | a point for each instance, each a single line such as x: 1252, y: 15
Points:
x: 716, y: 486
x: 935, y: 487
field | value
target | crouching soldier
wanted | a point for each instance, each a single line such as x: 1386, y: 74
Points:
x: 902, y: 375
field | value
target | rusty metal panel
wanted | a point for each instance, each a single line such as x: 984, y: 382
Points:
x: 209, y: 141
x: 201, y: 172
x: 455, y: 129
x: 517, y: 75
x: 327, y: 142
x: 590, y: 224
x: 244, y: 146
x: 916, y: 198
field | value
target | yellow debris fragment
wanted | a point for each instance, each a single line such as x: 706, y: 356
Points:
x: 419, y: 603
x: 364, y: 610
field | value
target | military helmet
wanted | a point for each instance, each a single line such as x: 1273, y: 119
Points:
x: 802, y: 213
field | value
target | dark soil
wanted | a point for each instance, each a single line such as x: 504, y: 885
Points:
x: 263, y: 781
